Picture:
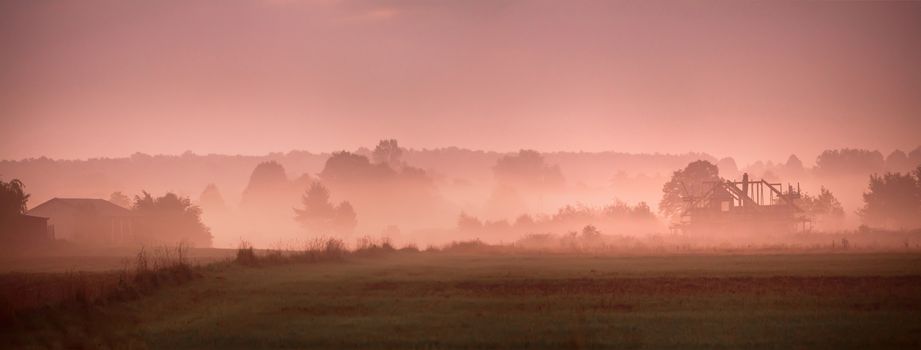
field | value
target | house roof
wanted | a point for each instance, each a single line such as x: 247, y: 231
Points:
x: 31, y: 218
x: 93, y: 206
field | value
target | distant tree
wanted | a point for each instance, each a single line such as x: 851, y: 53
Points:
x: 211, y: 199
x: 350, y: 168
x: 893, y: 200
x: 120, y: 199
x: 212, y: 196
x: 685, y: 184
x: 618, y: 210
x: 590, y: 232
x: 498, y: 226
x: 345, y: 219
x: 914, y: 157
x: 317, y: 208
x: 794, y: 166
x: 574, y: 214
x: 13, y: 198
x: 623, y: 211
x: 171, y: 219
x: 897, y: 161
x: 825, y: 204
x: 849, y: 161
x: 524, y: 221
x: 267, y: 184
x: 320, y: 215
x: 388, y: 152
x: 527, y: 168
x: 468, y: 223
x: 642, y: 212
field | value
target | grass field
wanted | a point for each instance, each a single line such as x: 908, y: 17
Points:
x: 95, y: 259
x: 445, y: 300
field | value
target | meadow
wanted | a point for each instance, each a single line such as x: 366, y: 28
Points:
x: 506, y: 300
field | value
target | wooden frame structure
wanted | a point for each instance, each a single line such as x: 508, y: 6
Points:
x: 758, y: 206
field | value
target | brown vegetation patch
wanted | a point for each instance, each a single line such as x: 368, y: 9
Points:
x: 820, y: 286
x: 327, y: 310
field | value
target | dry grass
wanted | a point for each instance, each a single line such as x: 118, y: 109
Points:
x: 22, y: 293
x: 454, y: 299
x: 315, y: 250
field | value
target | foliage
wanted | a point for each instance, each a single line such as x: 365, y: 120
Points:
x: 388, y: 152
x: 620, y: 210
x: 347, y: 167
x: 897, y: 161
x: 566, y: 217
x: 849, y: 161
x: 686, y: 184
x: 825, y: 204
x: 211, y: 198
x: 13, y: 198
x: 321, y: 216
x: 171, y: 218
x: 120, y: 199
x: 528, y: 169
x: 893, y: 200
x: 468, y: 223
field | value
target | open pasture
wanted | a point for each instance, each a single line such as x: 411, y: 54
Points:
x: 445, y: 300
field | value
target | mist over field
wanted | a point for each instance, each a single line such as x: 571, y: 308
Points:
x: 435, y: 196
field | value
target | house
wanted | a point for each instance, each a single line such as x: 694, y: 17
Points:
x: 24, y: 230
x: 87, y: 221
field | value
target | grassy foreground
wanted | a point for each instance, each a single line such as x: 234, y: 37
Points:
x: 444, y: 300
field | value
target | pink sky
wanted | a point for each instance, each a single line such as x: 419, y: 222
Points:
x: 754, y: 80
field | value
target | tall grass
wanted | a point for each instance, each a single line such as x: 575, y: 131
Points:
x: 21, y: 292
x: 315, y: 250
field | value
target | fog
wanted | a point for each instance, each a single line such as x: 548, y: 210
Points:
x: 428, y: 197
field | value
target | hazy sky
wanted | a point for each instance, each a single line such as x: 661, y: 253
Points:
x: 749, y: 79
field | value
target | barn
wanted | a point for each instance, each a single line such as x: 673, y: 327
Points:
x: 25, y: 230
x: 87, y: 221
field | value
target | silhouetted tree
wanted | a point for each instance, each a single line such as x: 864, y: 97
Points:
x: 590, y: 232
x: 345, y: 219
x: 825, y: 204
x: 623, y: 211
x: 350, y: 168
x: 497, y: 226
x: 524, y: 221
x: 849, y: 161
x: 320, y: 215
x: 914, y: 157
x: 468, y: 223
x: 893, y: 200
x: 266, y: 182
x: 897, y: 161
x: 120, y: 199
x: 685, y: 184
x: 794, y: 166
x: 171, y: 219
x: 13, y: 198
x: 527, y: 168
x: 388, y: 152
x: 574, y: 214
x: 211, y: 199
